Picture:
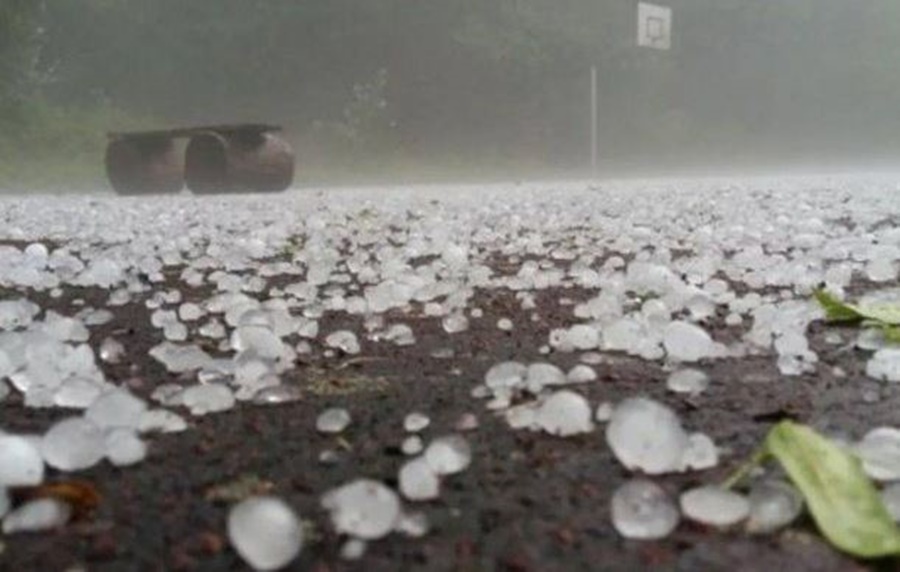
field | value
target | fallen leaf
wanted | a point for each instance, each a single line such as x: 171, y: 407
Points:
x: 877, y: 314
x: 844, y: 503
x: 238, y: 489
x: 82, y: 496
x: 836, y: 310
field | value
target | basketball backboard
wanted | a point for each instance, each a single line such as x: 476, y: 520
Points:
x: 654, y: 26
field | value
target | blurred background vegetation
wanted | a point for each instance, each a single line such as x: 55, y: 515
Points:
x: 401, y: 90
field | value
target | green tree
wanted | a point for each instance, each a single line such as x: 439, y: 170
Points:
x: 19, y: 33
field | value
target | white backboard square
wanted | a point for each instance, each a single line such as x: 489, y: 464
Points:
x: 654, y: 26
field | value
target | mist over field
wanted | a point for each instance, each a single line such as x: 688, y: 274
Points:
x: 458, y: 90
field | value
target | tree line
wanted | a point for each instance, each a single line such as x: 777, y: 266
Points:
x: 461, y: 81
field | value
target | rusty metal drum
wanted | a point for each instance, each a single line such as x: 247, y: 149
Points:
x: 238, y: 161
x: 246, y: 157
x: 144, y: 164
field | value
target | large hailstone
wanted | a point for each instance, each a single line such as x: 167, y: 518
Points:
x: 565, y: 413
x: 21, y: 463
x: 642, y: 510
x: 73, y: 444
x: 364, y: 508
x: 646, y: 435
x: 266, y: 532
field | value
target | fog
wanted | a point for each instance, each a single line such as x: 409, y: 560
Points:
x: 402, y: 90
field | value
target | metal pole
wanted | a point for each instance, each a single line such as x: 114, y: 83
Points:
x: 594, y: 120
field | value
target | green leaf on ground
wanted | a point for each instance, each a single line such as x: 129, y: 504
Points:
x: 844, y: 503
x: 886, y: 314
x: 836, y: 310
x: 892, y: 334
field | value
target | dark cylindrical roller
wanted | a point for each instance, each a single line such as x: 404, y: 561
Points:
x: 238, y: 161
x: 137, y: 165
x: 206, y: 163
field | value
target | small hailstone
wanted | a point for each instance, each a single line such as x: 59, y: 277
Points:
x: 124, y: 447
x: 161, y: 420
x: 119, y: 298
x: 505, y: 324
x: 179, y: 358
x: 73, y: 444
x: 448, y: 455
x: 565, y: 413
x: 834, y: 339
x: 692, y: 381
x: 559, y: 340
x: 870, y: 339
x: 476, y: 313
x: 15, y: 314
x: 190, y: 312
x: 413, y: 524
x: 20, y: 462
x: 116, y: 408
x: 871, y: 395
x: 212, y: 329
x: 734, y: 319
x: 581, y: 374
x: 400, y: 335
x: 343, y: 340
x: 412, y: 445
x: 646, y: 435
x: 591, y: 358
x: 415, y: 422
x: 467, y: 422
x: 522, y: 416
x: 714, y: 506
x: 773, y: 505
x: 277, y: 394
x: 265, y: 532
x: 205, y: 399
x: 642, y: 510
x: 885, y: 365
x: 36, y: 251
x: 364, y: 508
x: 506, y: 374
x: 481, y: 392
x: 701, y: 453
x: 455, y: 323
x: 502, y: 399
x: 879, y: 451
x: 541, y: 375
x: 168, y: 394
x: 700, y: 307
x: 687, y: 342
x: 77, y: 393
x: 333, y: 420
x: 418, y: 481
x: 37, y: 515
x: 353, y: 549
x: 443, y: 353
x: 881, y: 270
x: 307, y: 328
x: 111, y: 350
x: 583, y: 337
x: 604, y: 412
x: 329, y: 457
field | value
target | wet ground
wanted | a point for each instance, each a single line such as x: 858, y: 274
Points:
x: 529, y: 501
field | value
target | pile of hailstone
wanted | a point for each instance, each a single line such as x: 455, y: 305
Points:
x: 663, y: 266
